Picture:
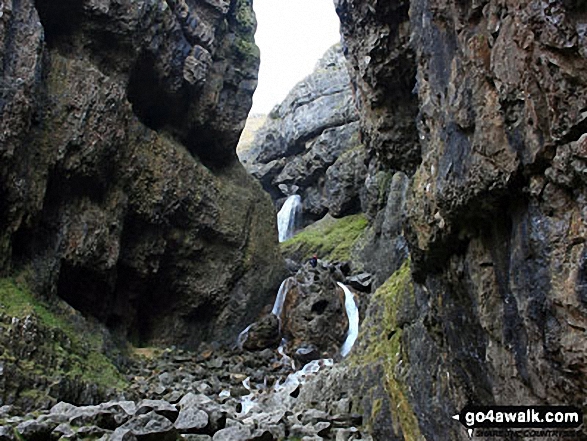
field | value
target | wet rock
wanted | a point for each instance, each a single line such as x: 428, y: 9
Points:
x: 306, y: 353
x: 361, y: 282
x: 263, y: 334
x: 486, y: 148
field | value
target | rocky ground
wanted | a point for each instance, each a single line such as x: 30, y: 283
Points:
x: 211, y: 395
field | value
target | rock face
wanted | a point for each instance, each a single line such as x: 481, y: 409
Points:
x: 310, y: 143
x: 119, y: 187
x: 481, y: 105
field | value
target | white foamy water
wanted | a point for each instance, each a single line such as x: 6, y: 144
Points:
x: 240, y: 340
x: 352, y: 313
x: 287, y: 217
x: 280, y: 299
x: 293, y: 380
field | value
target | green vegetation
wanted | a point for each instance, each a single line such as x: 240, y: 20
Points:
x: 382, y: 340
x: 47, y: 344
x: 247, y: 49
x: 332, y: 239
x: 245, y: 17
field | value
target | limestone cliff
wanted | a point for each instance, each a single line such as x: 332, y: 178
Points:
x: 482, y: 105
x: 120, y: 190
x: 309, y: 144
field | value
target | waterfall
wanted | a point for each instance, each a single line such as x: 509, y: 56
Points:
x: 280, y: 299
x: 242, y: 337
x: 287, y: 217
x: 352, y: 313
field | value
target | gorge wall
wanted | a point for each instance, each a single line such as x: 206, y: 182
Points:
x: 309, y: 144
x: 120, y: 191
x: 482, y: 106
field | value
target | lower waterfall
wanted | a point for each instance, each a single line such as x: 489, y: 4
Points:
x: 352, y: 313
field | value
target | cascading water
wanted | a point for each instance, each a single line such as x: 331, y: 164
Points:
x: 353, y: 314
x: 242, y: 337
x: 281, y: 392
x: 288, y: 217
x: 280, y: 299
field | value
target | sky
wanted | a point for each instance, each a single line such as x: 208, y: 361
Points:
x: 292, y: 36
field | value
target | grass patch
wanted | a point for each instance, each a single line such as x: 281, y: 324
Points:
x: 330, y: 238
x: 149, y: 353
x: 57, y: 345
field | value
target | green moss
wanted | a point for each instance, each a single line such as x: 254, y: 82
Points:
x: 382, y: 343
x: 245, y: 17
x: 384, y: 179
x: 61, y: 349
x: 247, y: 49
x: 376, y: 408
x: 332, y: 239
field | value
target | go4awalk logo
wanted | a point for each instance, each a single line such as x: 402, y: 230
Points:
x: 519, y: 417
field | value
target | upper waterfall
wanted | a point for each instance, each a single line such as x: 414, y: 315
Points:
x: 288, y: 217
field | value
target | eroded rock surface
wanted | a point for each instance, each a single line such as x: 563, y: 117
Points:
x: 119, y: 187
x: 495, y: 209
x: 310, y: 145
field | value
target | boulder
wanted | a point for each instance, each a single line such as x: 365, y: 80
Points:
x: 151, y: 427
x: 191, y: 420
x: 263, y: 334
x: 314, y: 319
x: 33, y: 430
x: 160, y: 407
x: 6, y: 434
x: 121, y: 434
x: 236, y: 433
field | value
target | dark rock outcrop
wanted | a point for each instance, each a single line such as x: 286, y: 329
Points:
x: 492, y: 139
x: 314, y: 319
x: 310, y: 144
x: 119, y: 187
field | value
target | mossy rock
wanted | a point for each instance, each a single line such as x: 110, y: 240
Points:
x: 381, y: 343
x: 50, y: 352
x: 332, y: 239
